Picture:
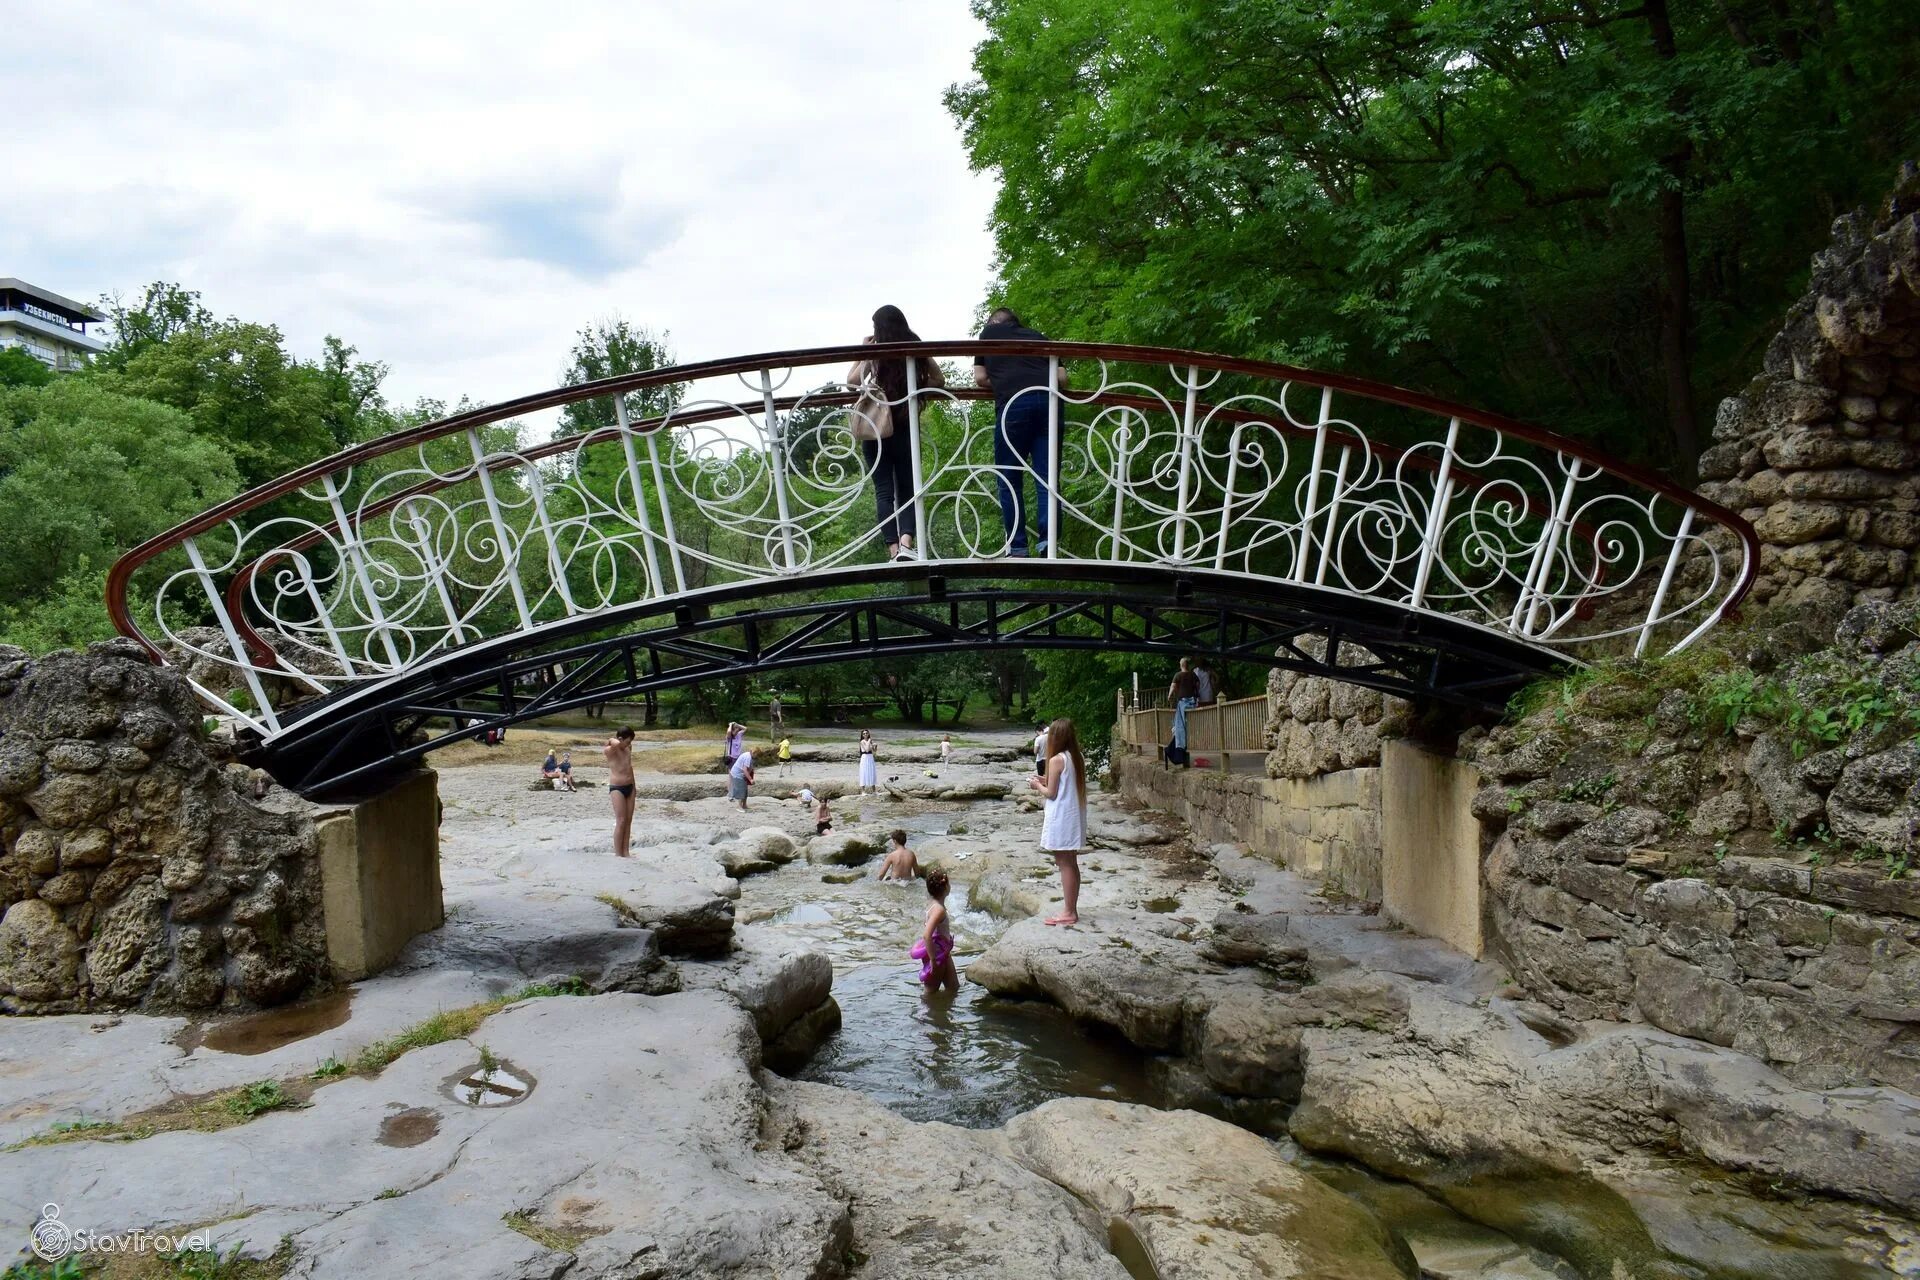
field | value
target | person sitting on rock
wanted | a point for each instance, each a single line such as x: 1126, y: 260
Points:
x: 934, y: 950
x: 550, y: 769
x: 565, y: 781
x: 899, y: 863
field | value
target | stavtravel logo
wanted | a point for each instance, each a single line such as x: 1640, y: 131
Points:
x: 54, y: 1240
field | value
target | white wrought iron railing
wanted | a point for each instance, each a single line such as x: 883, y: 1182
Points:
x: 363, y: 565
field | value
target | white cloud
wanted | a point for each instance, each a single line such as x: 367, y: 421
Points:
x: 457, y: 188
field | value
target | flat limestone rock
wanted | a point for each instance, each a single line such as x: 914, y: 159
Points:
x: 776, y: 980
x: 1205, y: 1200
x: 639, y: 1139
x: 933, y: 1200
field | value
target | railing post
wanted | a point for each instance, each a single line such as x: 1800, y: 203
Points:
x: 1226, y: 500
x: 654, y: 582
x: 1186, y: 458
x: 666, y: 510
x: 350, y: 544
x: 510, y: 567
x: 1121, y: 448
x: 1333, y: 517
x: 436, y: 569
x: 555, y: 565
x: 776, y: 450
x: 324, y: 614
x: 1053, y: 457
x: 218, y: 601
x: 1666, y: 581
x: 1436, y: 518
x: 920, y: 532
x: 1313, y: 484
x: 1534, y: 586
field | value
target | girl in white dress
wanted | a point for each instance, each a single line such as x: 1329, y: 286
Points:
x: 1063, y: 826
x: 869, y: 772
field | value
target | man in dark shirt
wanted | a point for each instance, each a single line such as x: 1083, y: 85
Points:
x: 1020, y: 395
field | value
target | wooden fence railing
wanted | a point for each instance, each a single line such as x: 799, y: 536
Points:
x: 1215, y: 734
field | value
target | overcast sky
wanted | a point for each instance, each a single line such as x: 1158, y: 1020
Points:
x: 457, y: 188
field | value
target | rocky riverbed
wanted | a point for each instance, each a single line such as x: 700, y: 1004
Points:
x: 1188, y: 1086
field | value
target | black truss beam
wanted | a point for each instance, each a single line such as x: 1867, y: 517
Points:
x: 349, y: 742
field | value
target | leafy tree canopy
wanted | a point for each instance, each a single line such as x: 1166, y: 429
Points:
x: 1589, y: 214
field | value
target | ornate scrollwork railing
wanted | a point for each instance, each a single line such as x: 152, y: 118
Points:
x: 360, y: 566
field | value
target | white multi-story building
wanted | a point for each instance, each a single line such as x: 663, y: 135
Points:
x: 48, y: 327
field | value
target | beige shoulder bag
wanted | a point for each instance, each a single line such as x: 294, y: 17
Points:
x: 871, y: 416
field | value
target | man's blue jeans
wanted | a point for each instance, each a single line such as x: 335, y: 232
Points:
x: 1180, y: 710
x: 1021, y: 440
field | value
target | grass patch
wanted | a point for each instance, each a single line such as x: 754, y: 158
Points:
x: 453, y: 1024
x: 195, y: 1264
x: 555, y: 1238
x: 620, y: 905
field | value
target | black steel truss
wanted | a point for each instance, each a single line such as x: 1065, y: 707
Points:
x: 347, y: 742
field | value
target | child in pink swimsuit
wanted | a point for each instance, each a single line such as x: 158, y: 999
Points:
x: 934, y: 950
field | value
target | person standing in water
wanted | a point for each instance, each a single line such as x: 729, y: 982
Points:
x: 899, y: 864
x: 934, y: 950
x: 869, y: 771
x: 1063, y: 826
x: 619, y: 754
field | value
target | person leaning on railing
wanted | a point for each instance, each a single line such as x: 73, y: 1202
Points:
x: 1184, y: 694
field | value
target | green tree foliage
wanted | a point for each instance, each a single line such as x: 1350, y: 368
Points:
x: 18, y: 369
x: 1587, y: 214
x: 85, y: 473
x: 236, y: 380
x: 607, y: 349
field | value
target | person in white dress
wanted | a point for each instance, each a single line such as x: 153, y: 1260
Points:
x: 869, y: 771
x: 1063, y: 824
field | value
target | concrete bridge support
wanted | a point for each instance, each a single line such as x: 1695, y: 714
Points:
x: 380, y: 873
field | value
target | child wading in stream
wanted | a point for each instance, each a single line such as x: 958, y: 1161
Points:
x: 1063, y: 827
x: 934, y: 950
x: 900, y: 863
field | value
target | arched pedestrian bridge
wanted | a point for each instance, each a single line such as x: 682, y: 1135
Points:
x: 716, y: 519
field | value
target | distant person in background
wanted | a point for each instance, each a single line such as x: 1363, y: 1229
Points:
x: 946, y: 749
x: 1021, y: 392
x: 566, y: 769
x: 776, y: 718
x: 550, y: 768
x: 619, y: 754
x: 1184, y: 694
x: 869, y: 770
x: 736, y: 743
x: 1063, y: 826
x: 1040, y: 751
x: 785, y: 754
x: 1203, y: 680
x: 740, y: 777
x: 891, y: 460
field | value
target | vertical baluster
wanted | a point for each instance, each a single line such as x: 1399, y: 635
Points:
x: 1122, y: 448
x: 556, y: 565
x: 325, y: 616
x: 777, y: 455
x: 1328, y: 537
x: 1053, y: 457
x: 1436, y: 518
x: 921, y: 532
x: 654, y: 582
x: 1226, y: 501
x: 350, y: 546
x: 1313, y: 484
x: 509, y: 551
x: 268, y: 721
x: 1666, y: 581
x: 1534, y: 585
x: 1186, y: 459
x: 666, y: 509
x: 437, y: 570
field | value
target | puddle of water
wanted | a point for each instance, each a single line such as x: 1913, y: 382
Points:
x: 270, y: 1029
x: 1162, y: 906
x: 499, y: 1086
x: 409, y: 1128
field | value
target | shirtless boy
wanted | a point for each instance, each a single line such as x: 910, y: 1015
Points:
x: 900, y: 863
x: 619, y: 754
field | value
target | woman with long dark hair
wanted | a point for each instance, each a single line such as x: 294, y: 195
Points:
x: 891, y: 459
x: 1063, y: 828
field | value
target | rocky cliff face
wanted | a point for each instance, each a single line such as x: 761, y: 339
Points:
x: 1724, y: 852
x: 1820, y: 451
x: 135, y: 872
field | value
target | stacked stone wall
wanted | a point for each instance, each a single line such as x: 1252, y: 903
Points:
x: 1748, y: 888
x: 135, y: 870
x: 1820, y: 451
